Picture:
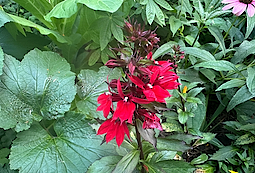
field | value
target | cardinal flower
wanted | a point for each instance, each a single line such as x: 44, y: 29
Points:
x: 114, y: 129
x: 239, y: 6
x: 105, y: 100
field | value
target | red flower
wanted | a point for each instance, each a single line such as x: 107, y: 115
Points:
x: 114, y: 129
x: 105, y: 100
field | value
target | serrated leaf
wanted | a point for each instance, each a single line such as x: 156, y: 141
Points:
x: 171, y: 166
x: 199, y: 53
x: 245, y: 139
x: 242, y: 95
x: 160, y: 15
x: 216, y: 32
x: 164, y: 4
x: 150, y: 11
x: 250, y: 80
x: 104, y: 165
x: 231, y: 84
x: 128, y: 163
x: 91, y: 84
x: 40, y: 86
x: 64, y: 9
x: 73, y: 149
x: 164, y: 49
x: 104, y: 5
x: 224, y: 153
x: 94, y: 57
x: 220, y: 65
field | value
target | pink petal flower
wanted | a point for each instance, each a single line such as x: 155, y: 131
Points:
x: 239, y: 7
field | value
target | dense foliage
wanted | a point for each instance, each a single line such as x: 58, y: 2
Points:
x: 172, y: 81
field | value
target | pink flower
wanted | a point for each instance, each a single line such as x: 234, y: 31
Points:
x: 114, y: 129
x: 239, y: 6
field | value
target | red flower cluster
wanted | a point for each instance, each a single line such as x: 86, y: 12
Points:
x: 145, y: 83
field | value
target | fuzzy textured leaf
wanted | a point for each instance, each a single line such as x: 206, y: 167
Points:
x: 150, y: 11
x: 231, y: 84
x: 220, y: 65
x: 41, y: 86
x: 73, y: 149
x: 91, y: 84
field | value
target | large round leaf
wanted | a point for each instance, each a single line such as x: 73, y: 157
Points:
x: 74, y: 148
x: 41, y: 86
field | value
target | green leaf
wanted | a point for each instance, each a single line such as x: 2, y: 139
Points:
x: 199, y: 53
x: 242, y: 95
x: 147, y: 134
x: 42, y: 30
x: 208, y: 73
x: 245, y: 139
x: 19, y: 46
x: 215, y: 31
x: 150, y: 11
x: 200, y: 159
x: 38, y: 8
x: 164, y: 49
x: 171, y: 145
x: 172, y: 126
x: 4, y: 153
x: 94, y: 57
x: 171, y: 166
x: 73, y: 149
x: 224, y: 153
x: 164, y: 4
x: 175, y: 24
x: 1, y: 60
x: 183, y: 116
x: 246, y: 48
x: 231, y: 84
x: 90, y: 85
x: 163, y: 155
x: 160, y: 15
x: 128, y: 163
x: 220, y: 65
x: 64, y: 9
x: 6, y: 169
x: 206, y: 168
x: 105, y: 33
x: 117, y: 32
x: 183, y: 137
x: 4, y: 18
x: 250, y: 26
x: 195, y: 122
x: 104, y: 165
x: 250, y: 80
x: 103, y: 5
x: 41, y: 86
x: 247, y: 127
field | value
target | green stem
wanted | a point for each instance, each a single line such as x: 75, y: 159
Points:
x: 199, y: 31
x: 140, y: 146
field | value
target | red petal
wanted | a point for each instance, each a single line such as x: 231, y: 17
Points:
x: 120, y: 89
x: 104, y: 127
x: 124, y: 111
x: 120, y: 134
x: 137, y: 81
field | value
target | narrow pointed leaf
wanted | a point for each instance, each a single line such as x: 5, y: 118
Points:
x: 220, y: 65
x: 250, y: 80
x: 215, y: 31
x: 231, y: 84
x: 224, y: 153
x: 150, y: 11
x: 199, y: 53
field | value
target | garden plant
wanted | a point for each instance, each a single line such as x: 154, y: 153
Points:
x: 127, y: 86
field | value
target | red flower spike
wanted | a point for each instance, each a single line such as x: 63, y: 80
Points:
x: 114, y: 129
x: 124, y: 111
x: 105, y: 100
x: 156, y: 93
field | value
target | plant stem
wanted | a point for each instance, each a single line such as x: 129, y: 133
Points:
x: 140, y: 147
